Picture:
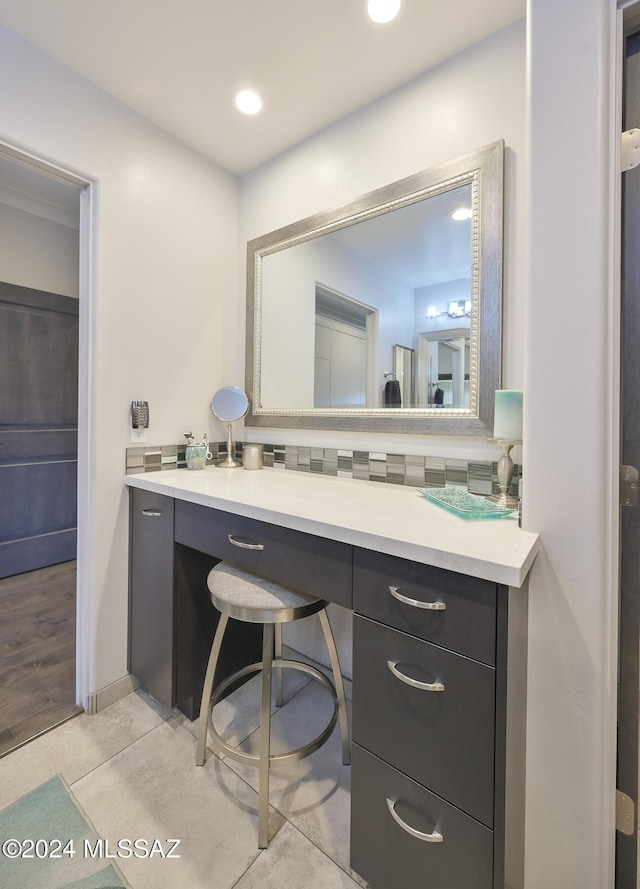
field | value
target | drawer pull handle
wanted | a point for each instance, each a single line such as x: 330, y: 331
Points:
x: 244, y: 544
x: 414, y: 683
x: 416, y: 603
x: 434, y: 837
x: 153, y: 513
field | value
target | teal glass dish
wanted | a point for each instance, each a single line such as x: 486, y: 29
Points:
x: 464, y: 504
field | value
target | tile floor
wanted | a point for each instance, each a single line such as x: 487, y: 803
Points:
x: 131, y: 768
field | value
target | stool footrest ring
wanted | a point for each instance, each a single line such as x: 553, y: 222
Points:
x: 218, y: 743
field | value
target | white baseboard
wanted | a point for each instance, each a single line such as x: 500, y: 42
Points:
x: 108, y: 695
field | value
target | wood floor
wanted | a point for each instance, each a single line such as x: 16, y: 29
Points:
x: 37, y: 652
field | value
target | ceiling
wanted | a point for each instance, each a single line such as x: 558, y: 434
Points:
x: 312, y: 61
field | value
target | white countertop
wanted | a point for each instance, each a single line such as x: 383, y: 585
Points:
x: 386, y: 518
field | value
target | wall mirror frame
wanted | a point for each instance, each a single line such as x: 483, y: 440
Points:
x: 482, y: 172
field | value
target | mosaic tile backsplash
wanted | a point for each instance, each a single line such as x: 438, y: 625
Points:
x: 475, y: 476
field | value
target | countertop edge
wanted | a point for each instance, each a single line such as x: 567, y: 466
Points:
x: 512, y: 575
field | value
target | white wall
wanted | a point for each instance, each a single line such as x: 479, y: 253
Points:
x: 571, y: 693
x: 471, y: 100
x: 36, y: 252
x: 439, y: 296
x: 165, y: 269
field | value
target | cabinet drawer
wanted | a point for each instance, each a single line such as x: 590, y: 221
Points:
x: 387, y: 855
x: 466, y: 624
x: 305, y: 562
x: 443, y: 739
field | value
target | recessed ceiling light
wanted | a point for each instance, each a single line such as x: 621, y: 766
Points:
x: 248, y: 102
x: 461, y: 213
x: 383, y: 11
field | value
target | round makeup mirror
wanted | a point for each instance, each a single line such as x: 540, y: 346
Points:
x: 229, y: 404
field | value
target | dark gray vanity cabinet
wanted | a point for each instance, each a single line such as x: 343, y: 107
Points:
x: 151, y: 570
x: 438, y: 754
x: 439, y: 683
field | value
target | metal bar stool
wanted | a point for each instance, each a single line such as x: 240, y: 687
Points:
x: 248, y: 597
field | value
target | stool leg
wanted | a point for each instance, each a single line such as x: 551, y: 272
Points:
x: 265, y: 737
x: 278, y: 652
x: 208, y: 688
x: 339, y: 685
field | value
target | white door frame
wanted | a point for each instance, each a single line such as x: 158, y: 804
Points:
x: 86, y: 400
x: 618, y: 12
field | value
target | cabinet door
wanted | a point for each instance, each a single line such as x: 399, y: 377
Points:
x: 151, y: 593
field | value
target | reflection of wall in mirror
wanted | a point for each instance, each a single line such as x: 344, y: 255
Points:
x: 288, y: 315
x: 287, y: 339
x: 440, y: 296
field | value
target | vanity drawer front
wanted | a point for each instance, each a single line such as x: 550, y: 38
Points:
x: 385, y: 854
x: 443, y: 739
x: 305, y: 562
x: 467, y: 623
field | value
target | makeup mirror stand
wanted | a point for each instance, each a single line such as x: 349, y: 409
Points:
x: 229, y: 404
x: 229, y: 462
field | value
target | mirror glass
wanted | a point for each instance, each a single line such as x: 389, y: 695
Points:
x: 384, y: 314
x: 229, y: 404
x: 404, y: 372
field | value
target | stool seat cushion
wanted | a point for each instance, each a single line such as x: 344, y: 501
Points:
x: 250, y: 597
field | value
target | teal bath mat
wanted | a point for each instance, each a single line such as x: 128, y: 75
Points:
x: 46, y: 843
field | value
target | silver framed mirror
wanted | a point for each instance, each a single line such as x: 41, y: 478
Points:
x: 417, y: 262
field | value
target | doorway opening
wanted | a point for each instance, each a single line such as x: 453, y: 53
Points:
x: 444, y: 368
x: 344, y: 362
x: 40, y: 307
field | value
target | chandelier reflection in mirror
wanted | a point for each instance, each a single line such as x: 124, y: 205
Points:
x: 332, y: 299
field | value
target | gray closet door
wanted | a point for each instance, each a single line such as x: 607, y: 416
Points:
x: 38, y: 428
x: 340, y: 365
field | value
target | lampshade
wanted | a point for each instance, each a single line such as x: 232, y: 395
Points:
x: 507, y: 419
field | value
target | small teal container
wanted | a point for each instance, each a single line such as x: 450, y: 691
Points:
x: 196, y: 456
